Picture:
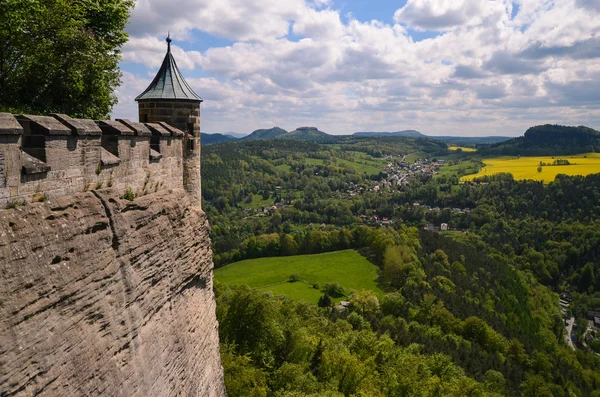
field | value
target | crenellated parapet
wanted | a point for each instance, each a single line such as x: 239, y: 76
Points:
x: 43, y: 157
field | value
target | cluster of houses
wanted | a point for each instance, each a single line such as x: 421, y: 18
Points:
x: 593, y: 328
x: 594, y: 318
x: 564, y: 301
x: 376, y: 220
x: 438, y: 209
x: 402, y: 172
x: 430, y: 227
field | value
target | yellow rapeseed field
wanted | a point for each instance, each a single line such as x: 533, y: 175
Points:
x: 527, y: 167
x: 464, y: 149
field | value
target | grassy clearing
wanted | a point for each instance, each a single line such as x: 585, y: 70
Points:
x: 465, y: 167
x: 284, y: 167
x: 462, y: 148
x: 258, y: 202
x: 527, y: 167
x: 363, y: 167
x: 361, y: 164
x: 348, y: 268
x: 310, y: 161
x: 411, y: 158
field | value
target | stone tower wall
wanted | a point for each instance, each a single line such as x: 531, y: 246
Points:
x: 46, y: 157
x: 184, y: 115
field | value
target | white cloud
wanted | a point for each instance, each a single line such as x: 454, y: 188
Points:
x: 150, y: 51
x: 439, y: 14
x: 294, y: 62
x: 232, y: 19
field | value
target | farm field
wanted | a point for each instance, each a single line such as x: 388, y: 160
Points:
x: 361, y: 164
x: 348, y: 268
x: 527, y: 167
x: 466, y: 167
x: 464, y: 149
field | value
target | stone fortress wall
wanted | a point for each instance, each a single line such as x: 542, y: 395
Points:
x: 46, y: 157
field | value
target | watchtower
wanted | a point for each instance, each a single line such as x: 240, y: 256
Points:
x: 170, y: 99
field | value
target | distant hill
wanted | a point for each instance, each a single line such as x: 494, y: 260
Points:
x: 211, y: 139
x: 548, y: 140
x: 472, y: 140
x: 270, y: 133
x: 404, y: 133
x: 311, y: 134
x: 454, y: 139
x: 236, y: 135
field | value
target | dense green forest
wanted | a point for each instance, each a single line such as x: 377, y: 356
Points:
x: 470, y: 311
x: 548, y: 140
x: 61, y: 56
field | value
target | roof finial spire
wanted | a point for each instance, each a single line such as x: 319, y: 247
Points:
x: 169, y: 41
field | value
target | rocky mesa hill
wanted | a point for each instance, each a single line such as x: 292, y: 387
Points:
x: 548, y: 140
x: 270, y: 133
x: 103, y: 296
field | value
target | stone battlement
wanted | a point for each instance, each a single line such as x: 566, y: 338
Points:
x: 46, y: 157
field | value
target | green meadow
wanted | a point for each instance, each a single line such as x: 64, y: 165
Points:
x: 348, y: 268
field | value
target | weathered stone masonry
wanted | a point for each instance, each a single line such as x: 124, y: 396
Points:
x: 44, y: 157
x: 101, y: 296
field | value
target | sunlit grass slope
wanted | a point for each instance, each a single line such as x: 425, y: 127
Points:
x: 527, y: 167
x: 348, y: 268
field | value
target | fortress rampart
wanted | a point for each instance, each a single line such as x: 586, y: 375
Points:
x: 46, y: 157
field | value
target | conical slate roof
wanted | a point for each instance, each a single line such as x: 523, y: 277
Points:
x: 169, y: 83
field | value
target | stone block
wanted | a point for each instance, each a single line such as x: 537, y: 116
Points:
x: 9, y: 125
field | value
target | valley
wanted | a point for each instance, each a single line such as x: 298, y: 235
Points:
x: 426, y: 263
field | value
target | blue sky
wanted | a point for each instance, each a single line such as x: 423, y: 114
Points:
x: 461, y: 67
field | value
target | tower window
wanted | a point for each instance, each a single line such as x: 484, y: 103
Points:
x: 110, y: 143
x: 155, y: 141
x: 35, y: 145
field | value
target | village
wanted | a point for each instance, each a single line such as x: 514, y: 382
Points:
x: 584, y: 333
x: 399, y: 173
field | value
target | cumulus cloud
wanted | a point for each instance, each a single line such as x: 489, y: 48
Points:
x: 585, y: 49
x: 439, y: 14
x: 490, y: 67
x: 468, y: 72
x: 506, y: 63
x: 233, y: 19
x: 589, y: 4
x: 150, y: 51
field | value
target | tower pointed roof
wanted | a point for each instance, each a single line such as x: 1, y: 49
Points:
x: 169, y: 83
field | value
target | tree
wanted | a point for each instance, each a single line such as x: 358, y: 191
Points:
x: 365, y: 301
x: 494, y: 382
x: 288, y: 245
x: 398, y: 265
x: 325, y: 300
x: 61, y: 56
x: 587, y: 277
x: 334, y: 289
x: 294, y: 278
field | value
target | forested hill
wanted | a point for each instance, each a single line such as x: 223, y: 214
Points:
x: 549, y: 140
x: 311, y: 134
x: 471, y: 140
x: 211, y: 139
x: 270, y: 133
x: 404, y: 133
